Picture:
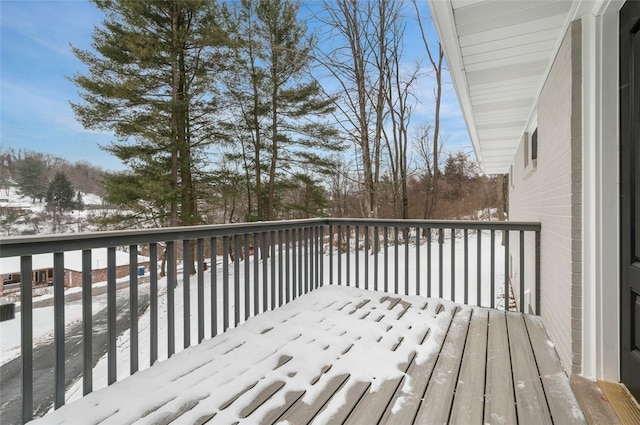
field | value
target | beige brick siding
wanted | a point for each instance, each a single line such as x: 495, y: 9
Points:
x: 551, y: 193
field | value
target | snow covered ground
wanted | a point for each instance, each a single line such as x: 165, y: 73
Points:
x: 10, y: 330
x: 33, y: 219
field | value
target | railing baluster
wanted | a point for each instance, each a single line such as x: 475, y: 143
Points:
x: 321, y: 254
x: 537, y: 267
x: 287, y: 237
x: 396, y: 270
x: 225, y: 283
x: 87, y: 324
x: 331, y: 229
x: 272, y: 237
x: 280, y: 264
x: 418, y: 279
x: 506, y: 271
x: 493, y: 268
x: 186, y: 293
x: 294, y: 263
x: 466, y: 266
x: 153, y: 300
x: 453, y: 264
x: 264, y: 254
x: 366, y: 257
x: 133, y: 310
x: 111, y: 316
x: 172, y: 279
x: 200, y: 253
x: 406, y: 261
x: 237, y: 255
x: 247, y: 277
x: 214, y: 286
x: 386, y: 258
x: 522, y: 309
x: 357, y: 259
x: 429, y: 262
x: 58, y: 326
x: 306, y: 260
x: 348, y: 252
x: 256, y: 276
x: 479, y: 267
x: 376, y: 248
x: 300, y: 261
x: 339, y: 249
x: 440, y: 266
x: 26, y: 338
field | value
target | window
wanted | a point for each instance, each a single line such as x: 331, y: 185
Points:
x: 534, y: 147
x: 530, y: 149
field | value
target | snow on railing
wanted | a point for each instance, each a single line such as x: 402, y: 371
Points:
x: 241, y: 270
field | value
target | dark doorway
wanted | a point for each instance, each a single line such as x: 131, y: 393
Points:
x: 630, y: 196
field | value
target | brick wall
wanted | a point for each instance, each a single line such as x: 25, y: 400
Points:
x: 551, y: 193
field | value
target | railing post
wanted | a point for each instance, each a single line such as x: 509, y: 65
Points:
x: 214, y: 286
x: 111, y: 316
x: 225, y: 283
x: 247, y: 278
x: 133, y: 311
x: 237, y: 255
x: 186, y: 293
x: 87, y: 324
x: 418, y: 278
x: 522, y: 309
x: 200, y: 256
x: 171, y: 282
x: 26, y: 340
x: 537, y: 266
x: 507, y: 303
x: 153, y: 289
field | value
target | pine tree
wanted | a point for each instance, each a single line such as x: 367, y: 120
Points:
x: 31, y: 178
x: 60, y: 197
x: 283, y: 125
x: 60, y: 193
x: 150, y: 81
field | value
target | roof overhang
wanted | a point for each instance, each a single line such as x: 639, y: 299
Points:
x: 499, y: 53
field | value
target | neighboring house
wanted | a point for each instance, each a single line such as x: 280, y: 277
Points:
x: 550, y: 91
x: 43, y: 267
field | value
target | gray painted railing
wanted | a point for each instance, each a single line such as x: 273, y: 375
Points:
x: 399, y: 256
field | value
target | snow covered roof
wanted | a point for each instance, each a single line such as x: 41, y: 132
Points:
x: 72, y: 261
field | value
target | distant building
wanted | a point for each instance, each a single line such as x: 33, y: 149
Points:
x: 42, y: 266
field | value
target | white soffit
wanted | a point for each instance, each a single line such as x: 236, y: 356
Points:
x: 499, y: 53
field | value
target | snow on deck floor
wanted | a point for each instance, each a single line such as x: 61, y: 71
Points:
x: 344, y: 354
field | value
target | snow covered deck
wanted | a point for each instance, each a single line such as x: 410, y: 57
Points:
x: 347, y: 355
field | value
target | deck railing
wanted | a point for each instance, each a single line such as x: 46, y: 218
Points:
x: 254, y: 267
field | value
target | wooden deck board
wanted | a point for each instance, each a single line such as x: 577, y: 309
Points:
x: 453, y: 364
x: 404, y: 406
x: 531, y: 402
x: 499, y: 407
x: 468, y: 405
x: 554, y: 379
x: 436, y: 404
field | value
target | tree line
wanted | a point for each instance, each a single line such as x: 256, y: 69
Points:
x: 248, y: 110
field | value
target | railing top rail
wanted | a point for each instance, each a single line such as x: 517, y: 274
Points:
x: 440, y: 224
x: 39, y: 244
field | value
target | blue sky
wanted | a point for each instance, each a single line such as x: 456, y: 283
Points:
x: 36, y: 59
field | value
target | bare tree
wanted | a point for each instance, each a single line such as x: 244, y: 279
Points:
x: 436, y: 64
